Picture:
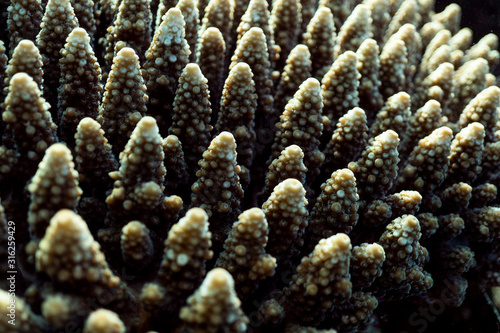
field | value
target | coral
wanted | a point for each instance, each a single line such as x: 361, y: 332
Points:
x: 189, y: 11
x: 80, y: 88
x: 375, y: 170
x: 366, y: 264
x: 25, y: 58
x: 187, y: 248
x: 132, y: 27
x: 85, y: 13
x: 26, y: 320
x: 94, y: 157
x: 244, y: 253
x: 30, y: 137
x: 58, y: 21
x: 339, y: 89
x: 257, y: 15
x: 103, y: 321
x: 217, y: 189
x: 138, y: 188
x: 237, y: 112
x: 300, y: 124
x: 319, y: 38
x: 404, y: 260
x: 59, y: 256
x: 252, y: 49
x: 53, y: 187
x: 192, y: 111
x: 393, y: 61
x: 338, y: 202
x: 248, y: 166
x: 211, y: 58
x: 354, y: 31
x: 166, y: 57
x: 214, y: 307
x: 297, y: 70
x: 24, y: 20
x: 177, y: 175
x: 286, y: 214
x: 124, y: 100
x: 136, y: 244
x: 347, y: 140
x: 394, y: 115
x: 321, y: 280
x: 218, y: 14
x: 370, y: 98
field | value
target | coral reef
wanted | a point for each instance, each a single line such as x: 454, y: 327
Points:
x: 247, y: 166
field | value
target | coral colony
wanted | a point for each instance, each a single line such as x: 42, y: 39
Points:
x: 242, y: 166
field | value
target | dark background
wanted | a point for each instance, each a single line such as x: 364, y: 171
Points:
x: 482, y: 16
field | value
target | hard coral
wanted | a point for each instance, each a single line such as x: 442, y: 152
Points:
x: 300, y: 166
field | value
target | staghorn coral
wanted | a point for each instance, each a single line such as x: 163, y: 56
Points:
x: 347, y: 140
x: 393, y: 61
x: 132, y: 27
x: 52, y: 188
x: 394, y: 115
x: 404, y: 260
x: 466, y: 153
x: 370, y: 98
x: 427, y: 165
x: 59, y: 256
x: 366, y: 264
x: 177, y: 175
x: 124, y: 100
x: 85, y: 13
x: 324, y: 274
x: 187, y: 248
x: 166, y: 57
x: 192, y: 111
x: 136, y: 244
x: 24, y: 20
x: 286, y: 214
x: 339, y: 89
x: 237, y: 112
x: 297, y: 70
x: 285, y: 23
x: 354, y: 31
x: 218, y: 14
x: 252, y: 49
x: 58, y: 21
x: 138, y: 192
x: 94, y: 157
x: 151, y: 262
x: 301, y: 124
x: 30, y: 137
x: 338, y: 202
x: 244, y: 253
x: 218, y: 190
x: 319, y: 38
x: 80, y: 88
x: 257, y: 15
x: 26, y: 59
x: 26, y: 321
x: 211, y: 58
x: 214, y: 306
x: 189, y: 10
x: 376, y: 169
x: 290, y: 164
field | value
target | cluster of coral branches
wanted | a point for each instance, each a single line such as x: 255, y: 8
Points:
x: 242, y: 166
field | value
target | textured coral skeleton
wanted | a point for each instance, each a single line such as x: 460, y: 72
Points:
x: 246, y: 166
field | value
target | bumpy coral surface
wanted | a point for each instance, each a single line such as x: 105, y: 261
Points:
x: 247, y: 166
